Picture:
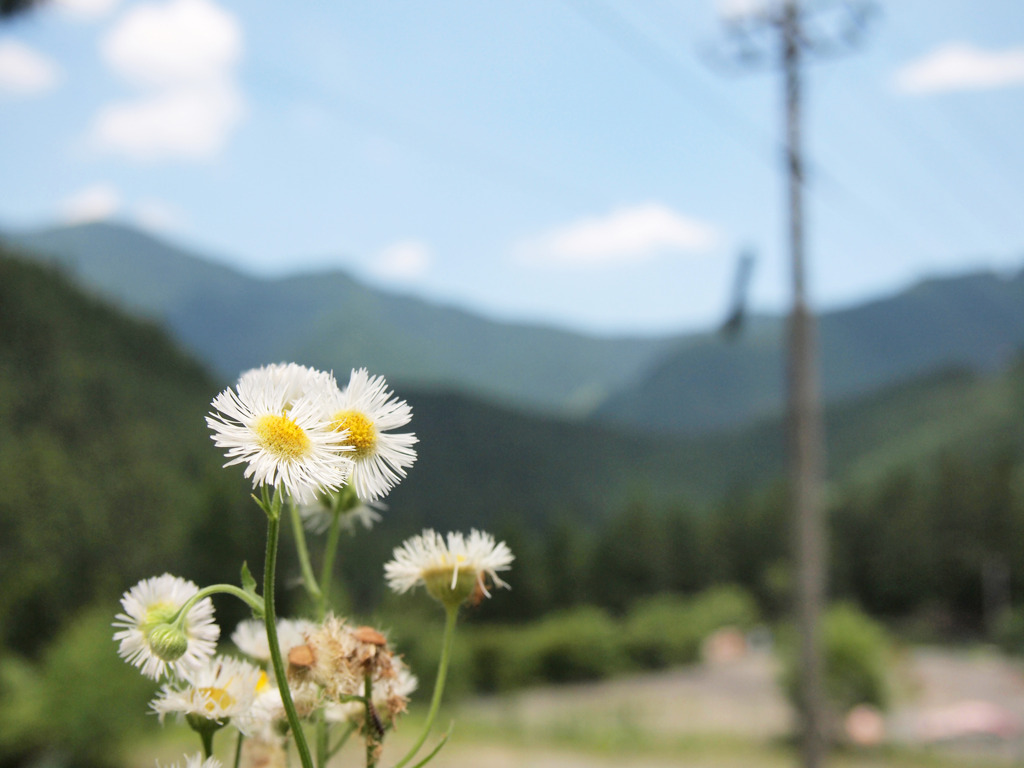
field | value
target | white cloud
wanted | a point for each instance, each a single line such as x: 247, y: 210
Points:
x: 403, y: 260
x: 624, y: 236
x: 86, y: 10
x: 738, y: 10
x: 192, y: 122
x: 24, y: 70
x: 158, y: 216
x: 102, y: 201
x: 95, y: 203
x: 182, y: 54
x: 961, y: 66
x: 174, y: 42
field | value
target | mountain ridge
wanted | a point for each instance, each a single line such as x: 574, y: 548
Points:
x: 234, y: 321
x: 975, y: 321
x: 685, y: 384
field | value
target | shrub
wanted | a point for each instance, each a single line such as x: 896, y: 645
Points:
x: 573, y: 645
x: 856, y: 653
x: 669, y: 629
x: 578, y: 644
x: 80, y: 700
x: 1008, y: 632
x: 501, y: 658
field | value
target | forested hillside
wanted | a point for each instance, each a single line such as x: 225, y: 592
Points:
x: 973, y: 321
x: 106, y: 465
x: 110, y: 475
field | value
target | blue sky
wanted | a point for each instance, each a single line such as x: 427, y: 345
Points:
x: 592, y: 164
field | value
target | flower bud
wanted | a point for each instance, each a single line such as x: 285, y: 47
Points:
x: 167, y: 641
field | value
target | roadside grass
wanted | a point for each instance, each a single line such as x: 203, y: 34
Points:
x: 622, y: 740
x: 568, y: 741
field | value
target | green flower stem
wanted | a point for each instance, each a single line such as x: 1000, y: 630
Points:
x: 349, y: 730
x: 330, y: 551
x: 207, y: 736
x: 270, y: 620
x: 442, y: 674
x: 435, y: 750
x: 372, y: 738
x: 249, y: 599
x: 322, y: 736
x: 299, y: 534
x: 238, y: 749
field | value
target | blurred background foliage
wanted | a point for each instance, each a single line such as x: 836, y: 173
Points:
x: 109, y: 476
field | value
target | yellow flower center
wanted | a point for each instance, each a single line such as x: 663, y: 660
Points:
x: 362, y: 434
x: 157, y: 614
x: 215, y: 698
x: 282, y: 437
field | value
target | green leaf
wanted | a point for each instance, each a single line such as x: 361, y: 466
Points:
x: 249, y: 586
x: 248, y: 582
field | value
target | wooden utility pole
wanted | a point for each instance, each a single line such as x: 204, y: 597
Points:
x: 805, y: 438
x: 806, y: 445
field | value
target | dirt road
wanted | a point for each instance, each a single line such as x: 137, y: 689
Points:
x: 964, y: 707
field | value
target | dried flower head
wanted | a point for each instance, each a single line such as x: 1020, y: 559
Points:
x: 390, y: 697
x: 338, y: 658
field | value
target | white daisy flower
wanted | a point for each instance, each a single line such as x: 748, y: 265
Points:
x: 453, y: 570
x: 221, y: 689
x: 295, y: 381
x: 318, y: 516
x: 147, y: 639
x: 266, y: 719
x: 250, y: 637
x: 366, y: 410
x: 275, y: 423
x: 197, y: 761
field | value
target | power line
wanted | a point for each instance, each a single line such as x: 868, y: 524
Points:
x: 981, y: 150
x: 819, y: 181
x: 637, y: 44
x: 433, y: 143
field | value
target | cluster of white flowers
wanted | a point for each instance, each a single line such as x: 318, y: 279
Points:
x: 328, y: 665
x: 334, y: 454
x: 296, y: 428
